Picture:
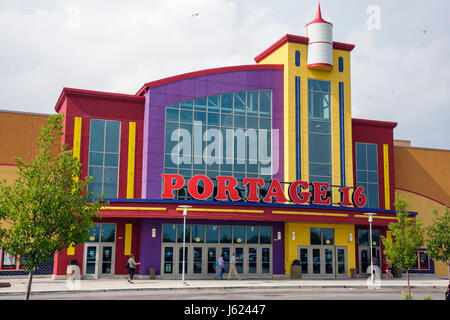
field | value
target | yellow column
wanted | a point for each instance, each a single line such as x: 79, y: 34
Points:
x: 128, y: 236
x: 131, y: 159
x: 387, y: 200
x: 76, y: 152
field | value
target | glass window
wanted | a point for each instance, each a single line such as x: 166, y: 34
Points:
x: 252, y: 235
x: 239, y: 102
x: 297, y: 58
x: 200, y: 104
x: 225, y: 234
x: 265, y: 103
x: 104, y: 157
x: 315, y: 237
x: 180, y: 233
x: 341, y: 64
x: 186, y: 105
x: 168, y: 260
x: 94, y: 233
x: 213, y: 103
x: 367, y: 172
x: 108, y: 232
x: 238, y: 234
x: 363, y: 237
x: 328, y: 236
x: 424, y: 261
x: 169, y: 233
x: 198, y: 232
x: 8, y: 261
x: 265, y: 235
x: 212, y: 234
x: 226, y: 104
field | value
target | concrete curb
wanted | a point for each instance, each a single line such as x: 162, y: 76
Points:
x: 39, y: 292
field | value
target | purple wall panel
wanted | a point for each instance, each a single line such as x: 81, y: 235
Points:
x: 158, y: 97
x: 150, y: 248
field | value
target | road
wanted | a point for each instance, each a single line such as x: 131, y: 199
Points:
x: 243, y: 294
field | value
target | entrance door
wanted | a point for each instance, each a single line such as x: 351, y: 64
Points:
x: 364, y: 258
x: 319, y: 261
x: 98, y: 260
x: 341, y: 262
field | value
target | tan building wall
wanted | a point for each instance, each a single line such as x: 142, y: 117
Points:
x: 422, y: 177
x: 18, y: 133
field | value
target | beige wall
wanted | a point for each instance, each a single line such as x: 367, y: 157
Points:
x: 18, y: 133
x: 425, y: 206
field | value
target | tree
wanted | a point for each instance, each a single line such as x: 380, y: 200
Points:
x: 438, y: 238
x: 48, y: 207
x: 407, y: 237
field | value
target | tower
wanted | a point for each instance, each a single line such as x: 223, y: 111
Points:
x: 320, y: 46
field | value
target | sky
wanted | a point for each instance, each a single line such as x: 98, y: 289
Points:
x: 400, y: 66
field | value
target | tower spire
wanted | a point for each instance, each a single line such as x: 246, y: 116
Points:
x: 319, y: 13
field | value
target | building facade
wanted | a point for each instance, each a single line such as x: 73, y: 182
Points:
x: 243, y: 146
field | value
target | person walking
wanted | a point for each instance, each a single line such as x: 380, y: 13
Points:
x: 131, y: 267
x: 233, y: 267
x: 219, y: 264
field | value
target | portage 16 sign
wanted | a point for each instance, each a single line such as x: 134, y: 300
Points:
x: 226, y: 189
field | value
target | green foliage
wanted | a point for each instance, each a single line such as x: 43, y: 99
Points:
x: 406, y: 296
x: 47, y: 208
x: 407, y: 237
x: 427, y: 297
x: 438, y: 237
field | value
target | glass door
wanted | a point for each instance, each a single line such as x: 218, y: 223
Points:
x: 341, y: 262
x: 212, y: 258
x: 364, y: 258
x: 197, y: 260
x: 239, y: 260
x: 91, y: 260
x: 252, y: 260
x: 107, y: 263
x: 226, y: 260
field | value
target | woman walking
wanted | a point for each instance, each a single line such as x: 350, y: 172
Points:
x: 219, y: 265
x: 131, y: 268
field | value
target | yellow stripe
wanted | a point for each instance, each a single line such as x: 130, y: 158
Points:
x: 311, y: 213
x: 128, y: 235
x: 77, y: 138
x: 131, y: 159
x: 134, y: 208
x: 387, y: 201
x: 222, y: 210
x: 375, y: 217
x: 335, y: 142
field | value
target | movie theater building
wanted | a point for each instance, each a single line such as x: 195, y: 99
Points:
x: 289, y: 119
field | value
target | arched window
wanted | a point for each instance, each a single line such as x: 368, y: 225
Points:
x: 297, y: 58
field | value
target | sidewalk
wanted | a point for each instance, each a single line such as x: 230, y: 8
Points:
x: 47, y: 285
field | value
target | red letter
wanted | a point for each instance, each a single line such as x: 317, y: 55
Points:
x: 319, y: 192
x: 359, y: 198
x: 304, y: 195
x: 253, y: 184
x: 193, y: 187
x: 345, y: 196
x: 275, y: 190
x: 222, y: 187
x: 169, y: 187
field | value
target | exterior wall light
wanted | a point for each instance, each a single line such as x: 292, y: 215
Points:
x: 293, y: 236
x: 350, y: 237
x: 154, y: 233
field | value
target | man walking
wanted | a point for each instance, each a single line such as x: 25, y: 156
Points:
x: 219, y: 264
x: 233, y: 267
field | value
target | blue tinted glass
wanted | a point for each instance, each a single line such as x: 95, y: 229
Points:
x: 226, y: 103
x: 319, y: 148
x: 200, y: 116
x: 172, y: 114
x: 213, y: 103
x: 372, y: 176
x: 361, y: 176
x: 252, y: 122
x: 97, y: 135
x: 171, y: 132
x: 239, y: 102
x: 265, y: 123
x: 198, y: 232
x: 265, y: 102
x: 372, y: 156
x: 341, y: 64
x: 186, y: 105
x: 111, y: 160
x: 169, y: 232
x: 110, y: 182
x: 213, y: 119
x: 319, y: 169
x: 226, y: 120
x: 361, y: 160
x: 174, y: 106
x: 239, y: 234
x: 186, y: 116
x: 372, y: 193
x: 96, y: 185
x: 95, y: 159
x: 318, y: 85
x: 319, y: 105
x: 186, y: 174
x: 212, y: 234
x: 252, y: 102
x: 319, y: 126
x: 297, y: 58
x: 225, y: 234
x: 239, y: 121
x: 170, y: 161
x: 265, y: 235
x: 200, y: 104
x: 112, y: 136
x: 252, y: 235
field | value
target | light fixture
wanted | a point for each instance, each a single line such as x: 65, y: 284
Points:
x: 350, y: 237
x: 154, y: 233
x: 293, y: 236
